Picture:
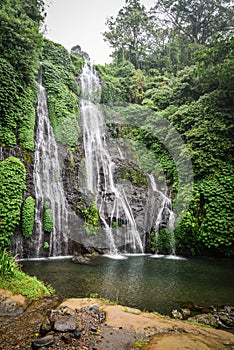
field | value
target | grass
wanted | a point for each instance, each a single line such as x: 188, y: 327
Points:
x: 31, y: 287
x: 13, y: 279
x: 140, y: 343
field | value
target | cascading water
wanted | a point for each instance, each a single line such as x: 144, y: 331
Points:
x: 49, y: 191
x: 164, y: 209
x: 110, y: 198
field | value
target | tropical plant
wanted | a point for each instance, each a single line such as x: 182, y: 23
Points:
x: 7, y: 264
x: 28, y: 216
x: 12, y: 185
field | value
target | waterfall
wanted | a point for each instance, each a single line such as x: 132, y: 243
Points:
x: 111, y: 199
x: 49, y: 191
x: 165, y: 209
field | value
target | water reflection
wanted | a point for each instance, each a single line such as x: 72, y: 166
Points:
x: 152, y: 284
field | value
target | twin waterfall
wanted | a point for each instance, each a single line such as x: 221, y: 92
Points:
x: 118, y: 221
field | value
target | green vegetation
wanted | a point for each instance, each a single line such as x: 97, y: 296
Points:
x: 172, y: 74
x: 91, y: 216
x: 20, y: 47
x: 7, y: 264
x: 129, y: 171
x: 12, y: 278
x: 162, y: 243
x: 12, y: 185
x: 46, y: 245
x: 17, y: 101
x: 140, y: 343
x: 48, y: 218
x: 180, y: 71
x: 28, y: 216
x: 58, y: 75
x: 166, y: 36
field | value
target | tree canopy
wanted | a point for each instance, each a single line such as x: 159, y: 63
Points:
x: 168, y: 34
x: 127, y: 32
x: 197, y: 20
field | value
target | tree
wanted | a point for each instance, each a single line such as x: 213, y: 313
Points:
x: 77, y: 51
x: 198, y: 20
x: 127, y: 33
x: 35, y: 9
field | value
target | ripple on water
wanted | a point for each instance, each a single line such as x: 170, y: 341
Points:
x: 169, y: 257
x: 115, y: 256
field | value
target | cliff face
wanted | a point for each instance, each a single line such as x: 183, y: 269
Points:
x: 67, y: 214
x: 148, y: 206
x: 75, y: 228
x: 120, y: 209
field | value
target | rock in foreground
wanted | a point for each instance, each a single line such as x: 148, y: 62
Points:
x: 95, y: 324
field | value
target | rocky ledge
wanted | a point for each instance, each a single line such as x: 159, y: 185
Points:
x: 89, y: 324
x: 217, y: 317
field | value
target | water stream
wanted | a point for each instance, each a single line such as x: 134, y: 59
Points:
x: 48, y: 186
x: 110, y: 198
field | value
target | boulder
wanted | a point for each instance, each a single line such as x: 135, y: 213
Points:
x: 65, y: 324
x: 80, y: 259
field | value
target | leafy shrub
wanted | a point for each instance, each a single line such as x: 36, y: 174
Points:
x: 61, y: 85
x: 48, y: 220
x: 164, y: 242
x: 91, y: 216
x: 27, y: 117
x: 12, y: 185
x: 20, y: 38
x: 7, y: 264
x: 217, y: 226
x: 28, y: 216
x: 46, y: 245
x: 17, y: 108
x: 8, y: 107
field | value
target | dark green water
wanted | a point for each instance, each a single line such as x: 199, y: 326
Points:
x: 141, y: 281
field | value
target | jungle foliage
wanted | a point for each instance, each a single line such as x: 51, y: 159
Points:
x: 20, y: 47
x: 27, y: 59
x: 177, y: 67
x: 59, y: 69
x: 187, y: 79
x: 12, y: 185
x: 166, y: 36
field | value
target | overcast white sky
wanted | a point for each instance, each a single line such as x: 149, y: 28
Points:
x: 81, y: 22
